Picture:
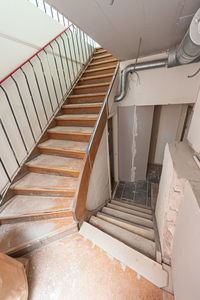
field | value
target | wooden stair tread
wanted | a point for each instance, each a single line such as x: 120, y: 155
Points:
x: 130, y: 211
x: 83, y: 105
x: 72, y: 129
x: 56, y: 162
x: 93, y: 85
x: 46, y: 184
x: 102, y: 56
x: 97, y: 77
x: 113, y: 60
x: 77, y: 116
x: 131, y: 239
x: 64, y: 145
x: 15, y: 237
x: 128, y: 217
x: 88, y: 71
x: 86, y: 95
x: 23, y: 205
x: 131, y: 206
x: 138, y: 229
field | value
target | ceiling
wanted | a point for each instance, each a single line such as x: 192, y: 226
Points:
x: 160, y: 23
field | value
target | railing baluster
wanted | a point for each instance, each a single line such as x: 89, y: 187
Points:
x: 66, y: 60
x: 70, y: 55
x: 38, y: 86
x: 20, y: 133
x: 74, y: 49
x: 10, y: 144
x: 32, y: 99
x: 52, y: 79
x: 57, y: 69
x: 83, y: 55
x: 24, y: 108
x: 5, y: 170
x: 78, y: 45
x: 44, y: 7
x: 61, y: 63
x: 45, y: 80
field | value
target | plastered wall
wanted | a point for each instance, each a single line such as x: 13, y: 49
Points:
x: 99, y: 190
x: 194, y: 130
x: 153, y: 87
x: 23, y: 30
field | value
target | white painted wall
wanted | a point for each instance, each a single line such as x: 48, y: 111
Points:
x: 99, y: 190
x: 23, y: 30
x: 161, y: 86
x: 194, y: 130
x: 186, y: 249
x: 168, y: 126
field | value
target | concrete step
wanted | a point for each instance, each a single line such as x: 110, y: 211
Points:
x: 135, y: 228
x: 130, y: 211
x: 128, y: 256
x: 128, y: 217
x: 130, y: 204
x: 131, y: 239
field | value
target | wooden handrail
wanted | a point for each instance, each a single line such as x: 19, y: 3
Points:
x: 80, y: 211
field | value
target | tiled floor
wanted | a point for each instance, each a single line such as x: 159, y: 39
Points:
x: 140, y: 190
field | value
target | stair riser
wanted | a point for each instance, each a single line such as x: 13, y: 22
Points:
x: 76, y: 122
x: 36, y: 217
x: 84, y: 110
x: 36, y: 169
x: 95, y: 80
x: 93, y: 89
x: 99, y: 72
x: 68, y: 193
x: 65, y: 153
x: 101, y: 64
x: 70, y: 136
x: 91, y: 99
x: 137, y: 208
x: 42, y: 242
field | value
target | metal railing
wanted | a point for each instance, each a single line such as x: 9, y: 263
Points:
x: 33, y: 93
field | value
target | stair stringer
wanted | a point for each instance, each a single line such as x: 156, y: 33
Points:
x: 131, y: 258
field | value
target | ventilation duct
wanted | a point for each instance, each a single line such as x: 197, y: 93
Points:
x: 187, y: 52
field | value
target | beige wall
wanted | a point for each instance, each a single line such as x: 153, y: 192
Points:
x: 194, y: 130
x: 161, y: 86
x: 99, y: 190
x: 186, y: 248
x: 23, y: 30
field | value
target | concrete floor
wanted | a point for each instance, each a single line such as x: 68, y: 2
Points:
x: 73, y: 268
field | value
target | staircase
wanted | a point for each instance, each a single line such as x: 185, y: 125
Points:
x: 128, y: 232
x: 39, y: 203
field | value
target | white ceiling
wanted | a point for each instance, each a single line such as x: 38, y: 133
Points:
x: 160, y: 23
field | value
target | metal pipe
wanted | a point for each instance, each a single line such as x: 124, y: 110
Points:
x: 135, y: 68
x: 189, y: 48
x: 187, y: 52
